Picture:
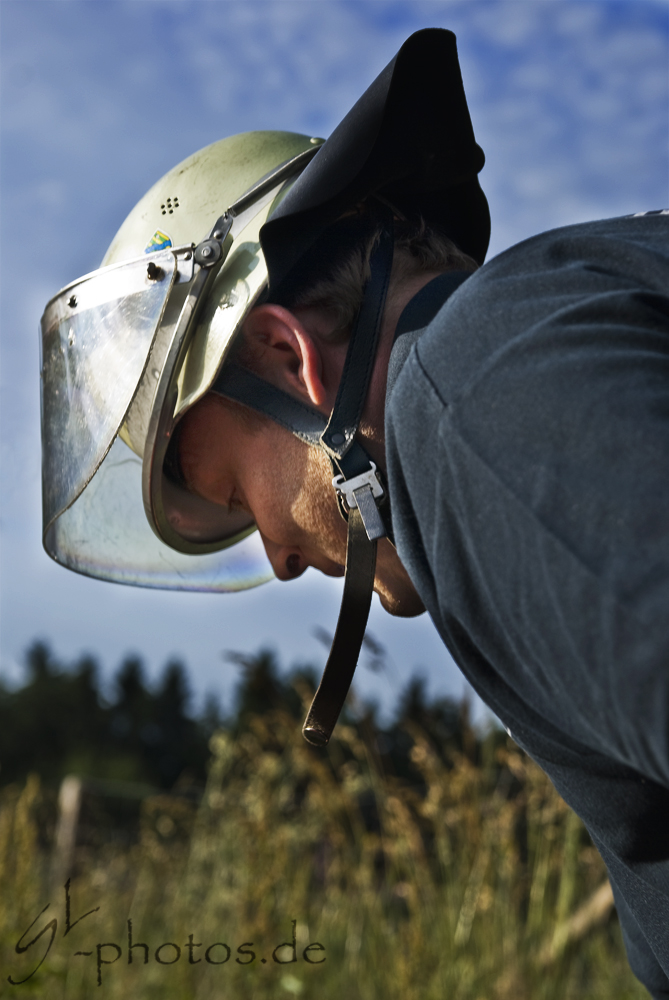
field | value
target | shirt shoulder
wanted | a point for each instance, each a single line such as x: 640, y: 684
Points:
x: 583, y: 275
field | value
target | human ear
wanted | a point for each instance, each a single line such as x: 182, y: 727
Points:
x: 285, y: 353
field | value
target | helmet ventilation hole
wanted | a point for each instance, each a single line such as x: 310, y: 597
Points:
x: 168, y: 207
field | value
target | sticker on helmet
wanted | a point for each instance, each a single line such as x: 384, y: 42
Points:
x: 159, y: 241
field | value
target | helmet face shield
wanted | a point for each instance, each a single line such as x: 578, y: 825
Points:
x: 105, y: 534
x: 96, y: 339
x: 101, y: 337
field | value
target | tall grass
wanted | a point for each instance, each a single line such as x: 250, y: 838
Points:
x: 459, y: 886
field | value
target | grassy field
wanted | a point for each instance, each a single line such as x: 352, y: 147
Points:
x: 473, y: 882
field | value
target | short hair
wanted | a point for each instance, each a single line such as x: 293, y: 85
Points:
x: 339, y: 291
x: 333, y: 277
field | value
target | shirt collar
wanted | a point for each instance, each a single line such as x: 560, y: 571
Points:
x: 416, y: 315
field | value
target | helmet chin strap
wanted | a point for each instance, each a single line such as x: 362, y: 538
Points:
x: 360, y: 493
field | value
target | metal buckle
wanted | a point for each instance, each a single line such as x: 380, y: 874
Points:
x: 364, y: 492
x: 347, y: 487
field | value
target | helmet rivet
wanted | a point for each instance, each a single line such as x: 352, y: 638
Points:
x: 153, y: 272
x: 337, y: 438
x: 218, y: 234
x: 205, y: 252
x: 72, y: 301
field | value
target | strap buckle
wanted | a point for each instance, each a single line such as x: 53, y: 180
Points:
x: 364, y: 492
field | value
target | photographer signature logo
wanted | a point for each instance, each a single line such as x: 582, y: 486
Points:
x: 167, y: 953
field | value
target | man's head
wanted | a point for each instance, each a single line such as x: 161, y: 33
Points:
x: 145, y: 338
x: 133, y: 352
x: 233, y: 456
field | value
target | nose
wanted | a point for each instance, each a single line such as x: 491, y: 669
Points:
x: 287, y: 562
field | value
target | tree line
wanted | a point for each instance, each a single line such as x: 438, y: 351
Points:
x: 61, y: 721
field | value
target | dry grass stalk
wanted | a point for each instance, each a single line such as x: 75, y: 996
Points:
x: 593, y: 912
x: 442, y: 888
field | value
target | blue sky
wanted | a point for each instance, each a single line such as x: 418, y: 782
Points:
x: 570, y: 101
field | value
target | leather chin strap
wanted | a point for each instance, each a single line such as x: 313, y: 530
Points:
x: 351, y: 624
x: 356, y: 480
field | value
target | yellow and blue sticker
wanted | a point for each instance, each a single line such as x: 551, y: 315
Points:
x: 159, y: 241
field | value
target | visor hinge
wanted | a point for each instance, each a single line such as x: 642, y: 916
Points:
x: 207, y: 253
x: 364, y: 492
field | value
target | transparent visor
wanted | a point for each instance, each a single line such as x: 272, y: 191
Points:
x: 97, y: 336
x: 105, y: 534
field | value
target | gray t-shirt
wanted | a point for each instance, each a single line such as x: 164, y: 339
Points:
x: 527, y: 434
